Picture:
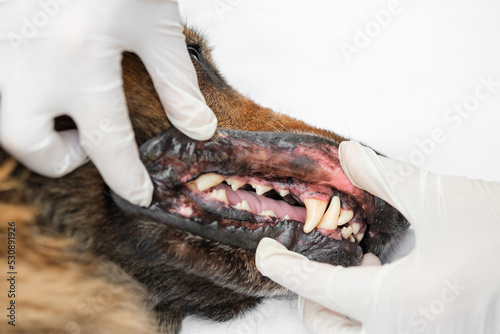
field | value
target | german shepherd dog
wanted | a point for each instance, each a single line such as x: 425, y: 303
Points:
x: 90, y: 262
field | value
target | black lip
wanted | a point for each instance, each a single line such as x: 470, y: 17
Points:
x: 313, y: 245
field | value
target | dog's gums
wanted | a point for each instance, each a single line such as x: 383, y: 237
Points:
x: 242, y: 186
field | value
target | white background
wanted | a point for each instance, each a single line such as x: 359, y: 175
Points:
x: 409, y: 72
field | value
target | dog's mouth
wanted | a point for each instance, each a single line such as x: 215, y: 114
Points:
x: 240, y: 187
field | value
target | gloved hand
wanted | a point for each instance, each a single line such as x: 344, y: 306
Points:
x: 64, y: 57
x: 449, y: 283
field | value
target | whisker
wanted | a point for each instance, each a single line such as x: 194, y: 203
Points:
x: 270, y: 124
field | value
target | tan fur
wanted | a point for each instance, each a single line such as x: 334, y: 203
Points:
x: 59, y: 290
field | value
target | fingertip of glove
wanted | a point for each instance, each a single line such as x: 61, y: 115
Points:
x: 266, y: 248
x: 356, y: 160
x: 141, y: 195
x: 349, y: 152
x: 146, y: 198
x: 196, y: 129
x: 370, y: 259
x: 269, y: 248
x: 145, y: 195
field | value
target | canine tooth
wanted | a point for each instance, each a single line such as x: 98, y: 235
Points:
x: 261, y: 189
x: 345, y: 216
x: 283, y: 192
x: 315, y: 210
x: 192, y: 185
x: 206, y: 181
x: 346, y: 232
x: 219, y: 194
x: 267, y: 213
x: 235, y: 184
x: 331, y: 216
x: 243, y: 205
x: 355, y: 228
x: 286, y: 217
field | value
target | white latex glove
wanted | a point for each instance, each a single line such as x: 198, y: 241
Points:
x: 64, y: 57
x: 450, y: 282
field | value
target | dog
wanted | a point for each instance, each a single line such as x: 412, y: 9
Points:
x: 88, y: 259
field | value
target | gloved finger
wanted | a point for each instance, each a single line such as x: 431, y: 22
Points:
x: 393, y: 181
x: 319, y: 319
x: 345, y: 290
x: 370, y: 259
x: 106, y: 132
x: 33, y: 141
x: 110, y: 143
x: 168, y: 62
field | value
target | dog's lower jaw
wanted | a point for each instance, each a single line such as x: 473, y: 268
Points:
x: 173, y: 276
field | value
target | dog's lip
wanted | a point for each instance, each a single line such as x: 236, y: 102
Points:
x: 173, y: 159
x: 315, y: 246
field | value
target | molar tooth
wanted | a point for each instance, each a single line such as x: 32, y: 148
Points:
x: 286, y: 217
x: 346, y: 232
x: 261, y: 189
x: 235, y: 184
x: 243, y: 205
x: 356, y: 227
x: 268, y: 213
x: 206, y: 181
x: 220, y: 194
x: 345, y: 216
x: 315, y: 209
x: 283, y: 192
x: 331, y: 216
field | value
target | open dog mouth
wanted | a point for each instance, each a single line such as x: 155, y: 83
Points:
x: 239, y: 187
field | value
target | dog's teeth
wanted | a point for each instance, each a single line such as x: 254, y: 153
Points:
x: 283, y: 192
x: 351, y: 239
x: 360, y: 236
x: 220, y: 194
x: 345, y: 216
x: 315, y: 210
x: 192, y: 185
x: 286, y: 217
x: 261, y: 189
x: 346, y: 232
x: 243, y: 205
x: 206, y: 181
x: 331, y: 216
x: 356, y: 227
x: 268, y: 213
x: 235, y: 184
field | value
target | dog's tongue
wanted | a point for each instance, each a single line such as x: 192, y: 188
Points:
x: 259, y: 204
